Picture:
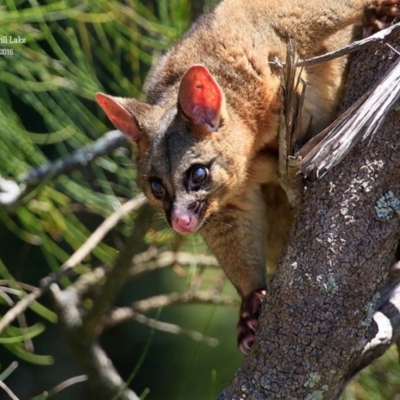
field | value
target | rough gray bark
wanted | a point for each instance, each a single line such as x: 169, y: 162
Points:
x: 318, y: 326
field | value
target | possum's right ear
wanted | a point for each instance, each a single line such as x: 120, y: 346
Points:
x: 201, y: 98
x: 119, y: 112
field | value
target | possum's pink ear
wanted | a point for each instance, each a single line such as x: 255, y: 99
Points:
x: 120, y: 115
x: 201, y: 98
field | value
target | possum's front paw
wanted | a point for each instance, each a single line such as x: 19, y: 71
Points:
x: 248, y: 319
x: 381, y: 17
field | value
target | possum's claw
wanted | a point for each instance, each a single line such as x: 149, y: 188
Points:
x: 248, y: 319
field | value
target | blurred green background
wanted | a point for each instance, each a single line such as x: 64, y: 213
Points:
x: 69, y: 51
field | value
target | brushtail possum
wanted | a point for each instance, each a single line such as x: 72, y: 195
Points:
x: 207, y: 135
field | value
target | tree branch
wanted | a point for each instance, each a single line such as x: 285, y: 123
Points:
x: 153, y: 260
x: 377, y: 37
x: 73, y: 261
x: 12, y: 192
x: 78, y: 159
x: 387, y: 325
x: 172, y: 328
x: 123, y: 314
x: 82, y: 329
x: 319, y: 318
x: 103, y: 377
x: 93, y: 321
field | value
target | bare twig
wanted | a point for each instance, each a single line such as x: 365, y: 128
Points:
x: 182, y: 298
x: 74, y: 260
x: 153, y: 260
x: 11, y: 192
x: 142, y: 306
x: 148, y: 261
x: 22, y: 285
x: 8, y: 391
x: 9, y: 370
x: 6, y: 297
x: 351, y: 48
x: 116, y: 278
x: 63, y: 385
x: 175, y: 329
x: 78, y: 159
x: 28, y: 342
x: 108, y: 224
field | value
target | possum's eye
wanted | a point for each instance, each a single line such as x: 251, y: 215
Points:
x: 197, y: 176
x: 157, y: 188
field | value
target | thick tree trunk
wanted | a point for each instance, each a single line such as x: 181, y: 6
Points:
x: 319, y: 322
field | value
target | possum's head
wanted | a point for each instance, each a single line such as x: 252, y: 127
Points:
x: 192, y: 156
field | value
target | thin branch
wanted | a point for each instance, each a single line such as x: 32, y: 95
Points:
x: 172, y: 328
x: 142, y: 306
x: 9, y: 370
x: 11, y: 192
x: 6, y: 297
x: 116, y: 278
x: 63, y: 385
x: 148, y: 261
x: 135, y: 312
x: 28, y: 342
x: 351, y: 48
x: 8, y: 391
x: 73, y: 261
x: 144, y: 262
x: 153, y: 260
x: 22, y: 285
x: 88, y: 281
x: 97, y: 236
x: 78, y: 159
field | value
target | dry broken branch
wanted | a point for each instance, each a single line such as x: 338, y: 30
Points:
x: 290, y: 126
x: 359, y: 122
